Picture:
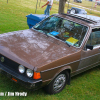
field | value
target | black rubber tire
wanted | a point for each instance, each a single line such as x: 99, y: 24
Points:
x: 49, y: 88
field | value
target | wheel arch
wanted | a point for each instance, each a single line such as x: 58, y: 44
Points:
x: 64, y: 69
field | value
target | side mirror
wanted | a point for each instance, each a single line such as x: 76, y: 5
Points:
x: 89, y: 47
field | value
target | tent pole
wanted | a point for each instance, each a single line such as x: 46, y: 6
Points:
x: 36, y: 7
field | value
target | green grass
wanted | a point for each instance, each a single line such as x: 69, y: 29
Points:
x: 13, y: 14
x: 85, y: 86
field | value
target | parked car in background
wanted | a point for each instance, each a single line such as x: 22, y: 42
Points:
x: 51, y: 52
x: 98, y: 2
x: 80, y: 1
x: 75, y: 10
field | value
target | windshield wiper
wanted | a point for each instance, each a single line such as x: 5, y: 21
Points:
x: 62, y: 40
x: 47, y: 31
x: 37, y: 28
x: 42, y: 30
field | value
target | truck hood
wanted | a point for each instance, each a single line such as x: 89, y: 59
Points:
x: 31, y: 48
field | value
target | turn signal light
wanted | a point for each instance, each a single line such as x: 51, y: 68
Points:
x: 14, y: 79
x: 37, y: 75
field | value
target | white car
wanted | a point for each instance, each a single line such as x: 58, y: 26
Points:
x: 98, y: 2
x: 75, y: 10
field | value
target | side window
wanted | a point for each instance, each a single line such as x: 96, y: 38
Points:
x: 94, y: 38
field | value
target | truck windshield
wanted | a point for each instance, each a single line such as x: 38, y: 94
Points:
x: 68, y: 31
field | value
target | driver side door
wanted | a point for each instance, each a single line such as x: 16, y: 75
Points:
x: 91, y: 58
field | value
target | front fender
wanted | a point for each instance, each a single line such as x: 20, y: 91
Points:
x: 49, y: 75
x: 61, y: 70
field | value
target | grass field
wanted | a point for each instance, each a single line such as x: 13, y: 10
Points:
x: 85, y: 86
x: 87, y: 4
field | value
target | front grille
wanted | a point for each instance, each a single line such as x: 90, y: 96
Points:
x: 12, y: 65
x: 9, y: 63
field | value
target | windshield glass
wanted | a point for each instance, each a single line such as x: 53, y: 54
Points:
x: 70, y: 32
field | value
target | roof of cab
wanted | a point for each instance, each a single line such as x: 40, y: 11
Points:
x: 94, y: 20
x: 90, y: 17
x: 91, y: 20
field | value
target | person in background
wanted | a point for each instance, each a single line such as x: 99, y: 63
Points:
x: 48, y: 8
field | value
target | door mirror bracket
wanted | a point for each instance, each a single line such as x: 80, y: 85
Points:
x: 89, y: 47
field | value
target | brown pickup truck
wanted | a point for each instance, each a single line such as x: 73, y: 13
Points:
x: 51, y: 52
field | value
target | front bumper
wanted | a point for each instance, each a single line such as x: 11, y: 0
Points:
x: 25, y: 81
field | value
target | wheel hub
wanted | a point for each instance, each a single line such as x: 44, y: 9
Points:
x: 59, y: 82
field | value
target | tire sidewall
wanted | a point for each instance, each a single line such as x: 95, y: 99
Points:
x: 50, y: 86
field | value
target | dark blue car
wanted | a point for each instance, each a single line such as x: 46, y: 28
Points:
x: 75, y: 10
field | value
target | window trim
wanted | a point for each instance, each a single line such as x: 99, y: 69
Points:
x: 95, y: 46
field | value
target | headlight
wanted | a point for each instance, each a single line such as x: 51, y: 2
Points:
x: 21, y: 69
x: 29, y: 72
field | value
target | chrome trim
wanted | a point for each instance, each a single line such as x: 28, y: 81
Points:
x: 84, y: 37
x: 68, y: 63
x: 89, y: 56
x: 60, y: 66
x: 96, y: 46
x: 36, y: 81
x: 86, y: 68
